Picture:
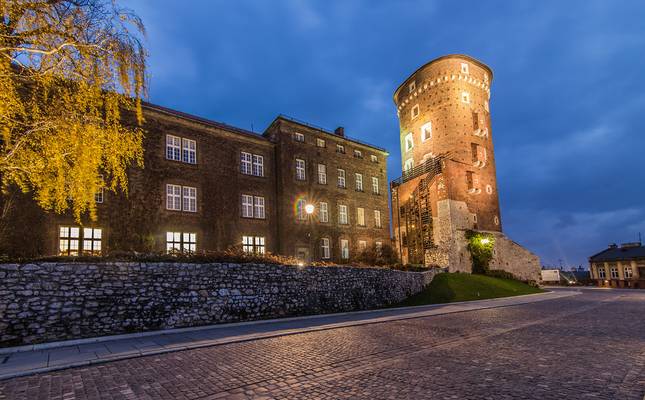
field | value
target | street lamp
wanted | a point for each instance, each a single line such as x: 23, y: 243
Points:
x: 309, y: 209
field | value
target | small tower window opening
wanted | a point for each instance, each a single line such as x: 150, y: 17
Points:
x: 426, y: 131
x: 409, y: 164
x: 415, y: 111
x: 496, y: 220
x: 489, y: 189
x: 412, y: 87
x: 476, y: 121
x: 464, y: 68
x: 409, y: 142
x: 472, y: 181
x: 465, y: 97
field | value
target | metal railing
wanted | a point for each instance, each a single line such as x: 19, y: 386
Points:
x: 431, y: 166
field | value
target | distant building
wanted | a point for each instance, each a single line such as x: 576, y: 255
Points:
x: 622, y: 267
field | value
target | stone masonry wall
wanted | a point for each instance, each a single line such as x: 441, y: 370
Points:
x: 46, y: 302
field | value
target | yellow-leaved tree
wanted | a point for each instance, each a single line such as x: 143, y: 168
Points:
x: 69, y: 70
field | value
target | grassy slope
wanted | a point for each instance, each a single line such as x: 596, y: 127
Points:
x: 447, y: 288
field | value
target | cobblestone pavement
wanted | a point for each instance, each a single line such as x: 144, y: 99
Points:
x: 590, y: 346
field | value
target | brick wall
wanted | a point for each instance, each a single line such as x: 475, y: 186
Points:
x: 57, y: 301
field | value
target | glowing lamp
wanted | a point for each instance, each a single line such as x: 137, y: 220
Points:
x: 309, y: 208
x: 485, y: 241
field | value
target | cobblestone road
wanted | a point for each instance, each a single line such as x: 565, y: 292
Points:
x: 590, y: 346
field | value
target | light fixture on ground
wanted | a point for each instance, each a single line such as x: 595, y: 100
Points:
x: 485, y: 240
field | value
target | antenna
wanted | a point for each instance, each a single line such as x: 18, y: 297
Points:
x: 639, y: 238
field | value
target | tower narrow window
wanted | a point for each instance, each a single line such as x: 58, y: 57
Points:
x: 465, y: 97
x: 415, y: 111
x: 464, y: 68
x: 426, y: 131
x: 409, y: 142
x: 412, y: 87
x: 409, y: 164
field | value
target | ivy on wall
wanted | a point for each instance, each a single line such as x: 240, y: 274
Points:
x: 481, y: 247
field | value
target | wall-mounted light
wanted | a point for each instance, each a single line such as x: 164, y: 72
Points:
x: 309, y: 208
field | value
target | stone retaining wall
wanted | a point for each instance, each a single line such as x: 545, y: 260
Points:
x: 46, y: 302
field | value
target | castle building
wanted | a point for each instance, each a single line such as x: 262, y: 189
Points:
x: 294, y: 190
x: 448, y: 185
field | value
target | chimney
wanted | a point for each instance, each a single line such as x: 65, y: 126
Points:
x: 340, y: 131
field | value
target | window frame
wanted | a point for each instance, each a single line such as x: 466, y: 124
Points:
x: 340, y: 149
x: 344, y: 249
x: 409, y: 141
x: 321, y: 143
x: 246, y: 165
x: 325, y: 248
x: 174, y: 147
x: 358, y: 179
x: 299, y: 137
x: 301, y: 170
x: 378, y: 223
x: 186, y: 241
x: 343, y: 214
x: 189, y: 199
x: 247, y: 205
x: 342, y: 178
x: 360, y: 216
x: 426, y: 131
x: 174, y: 192
x: 323, y: 212
x: 255, y: 245
x: 375, y: 185
x: 187, y: 151
x: 322, y: 174
x: 413, y: 114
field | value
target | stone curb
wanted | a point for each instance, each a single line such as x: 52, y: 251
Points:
x: 477, y: 305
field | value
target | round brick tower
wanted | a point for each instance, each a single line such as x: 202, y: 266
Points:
x: 443, y: 110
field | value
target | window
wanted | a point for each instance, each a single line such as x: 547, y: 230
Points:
x: 465, y: 97
x: 374, y: 158
x: 322, y: 174
x: 342, y: 215
x: 627, y: 271
x: 472, y: 180
x: 601, y: 272
x: 362, y: 245
x: 181, y: 242
x: 412, y: 87
x: 247, y: 206
x: 98, y: 196
x: 189, y: 199
x: 301, y: 213
x: 360, y: 216
x: 344, y: 249
x: 379, y: 248
x: 496, y: 220
x: 377, y: 219
x: 489, y: 189
x: 259, y: 207
x: 409, y: 164
x: 254, y: 244
x: 173, y: 197
x: 409, y: 142
x: 246, y: 161
x: 258, y: 165
x: 475, y: 120
x: 68, y: 240
x: 323, y: 212
x: 375, y: 185
x: 173, y: 147
x: 614, y: 272
x: 320, y: 142
x: 415, y: 111
x: 300, y: 170
x: 325, y: 250
x: 189, y: 151
x: 464, y: 68
x: 92, y: 241
x: 341, y: 178
x: 340, y: 149
x: 358, y: 154
x: 359, y: 182
x: 299, y: 137
x: 426, y: 131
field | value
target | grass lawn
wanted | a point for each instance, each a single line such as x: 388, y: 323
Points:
x: 448, y: 288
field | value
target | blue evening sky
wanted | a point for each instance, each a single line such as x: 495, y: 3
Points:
x: 567, y: 104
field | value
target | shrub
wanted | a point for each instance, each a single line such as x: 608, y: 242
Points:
x: 481, y: 246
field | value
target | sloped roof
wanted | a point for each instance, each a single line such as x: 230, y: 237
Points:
x: 619, y: 253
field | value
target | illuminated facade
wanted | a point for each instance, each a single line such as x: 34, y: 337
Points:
x: 619, y: 266
x: 294, y: 190
x: 449, y: 184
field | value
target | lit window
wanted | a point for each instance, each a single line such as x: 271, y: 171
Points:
x: 98, y: 196
x: 344, y: 249
x: 189, y: 151
x: 464, y: 68
x: 92, y: 241
x: 181, y: 242
x: 465, y: 97
x: 377, y: 219
x: 358, y: 154
x: 412, y: 87
x: 341, y: 178
x: 325, y: 249
x: 614, y: 272
x: 627, y: 271
x: 259, y: 207
x: 415, y: 111
x: 375, y: 189
x: 409, y: 142
x: 301, y: 213
x: 300, y: 170
x: 258, y: 165
x: 360, y: 216
x: 601, y: 272
x: 320, y: 142
x: 362, y: 245
x: 322, y: 174
x: 68, y: 240
x: 426, y: 131
x: 173, y: 147
x: 426, y: 157
x: 173, y: 197
x: 374, y: 158
x: 359, y: 182
x: 247, y: 206
x: 254, y: 244
x: 298, y: 137
x: 409, y: 164
x: 340, y: 149
x: 489, y: 189
x: 379, y: 247
x: 189, y: 199
x: 323, y: 212
x: 342, y: 215
x: 246, y: 160
x: 496, y: 220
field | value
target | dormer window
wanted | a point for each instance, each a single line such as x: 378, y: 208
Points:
x: 415, y: 111
x: 464, y: 68
x: 426, y: 131
x: 299, y: 137
x: 409, y: 142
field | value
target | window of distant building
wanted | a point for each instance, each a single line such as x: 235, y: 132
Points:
x: 359, y: 182
x: 415, y: 111
x: 627, y: 271
x: 71, y: 237
x: 181, y: 198
x: 362, y: 245
x: 409, y: 164
x: 377, y: 219
x: 320, y: 142
x: 465, y: 97
x: 601, y: 272
x: 341, y: 178
x: 342, y: 215
x: 360, y: 216
x: 173, y: 147
x: 301, y: 213
x: 325, y: 248
x: 189, y: 151
x: 323, y: 212
x: 181, y: 242
x: 412, y: 87
x: 340, y: 149
x: 98, y: 196
x: 344, y: 249
x: 379, y: 248
x: 258, y: 165
x: 251, y: 164
x: 181, y: 149
x: 358, y: 154
x: 464, y: 68
x: 374, y: 158
x: 254, y: 244
x: 300, y: 169
x: 322, y: 174
x: 409, y: 142
x: 426, y: 131
x: 375, y: 186
x: 614, y: 272
x: 189, y: 199
x: 299, y: 137
x: 253, y: 206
